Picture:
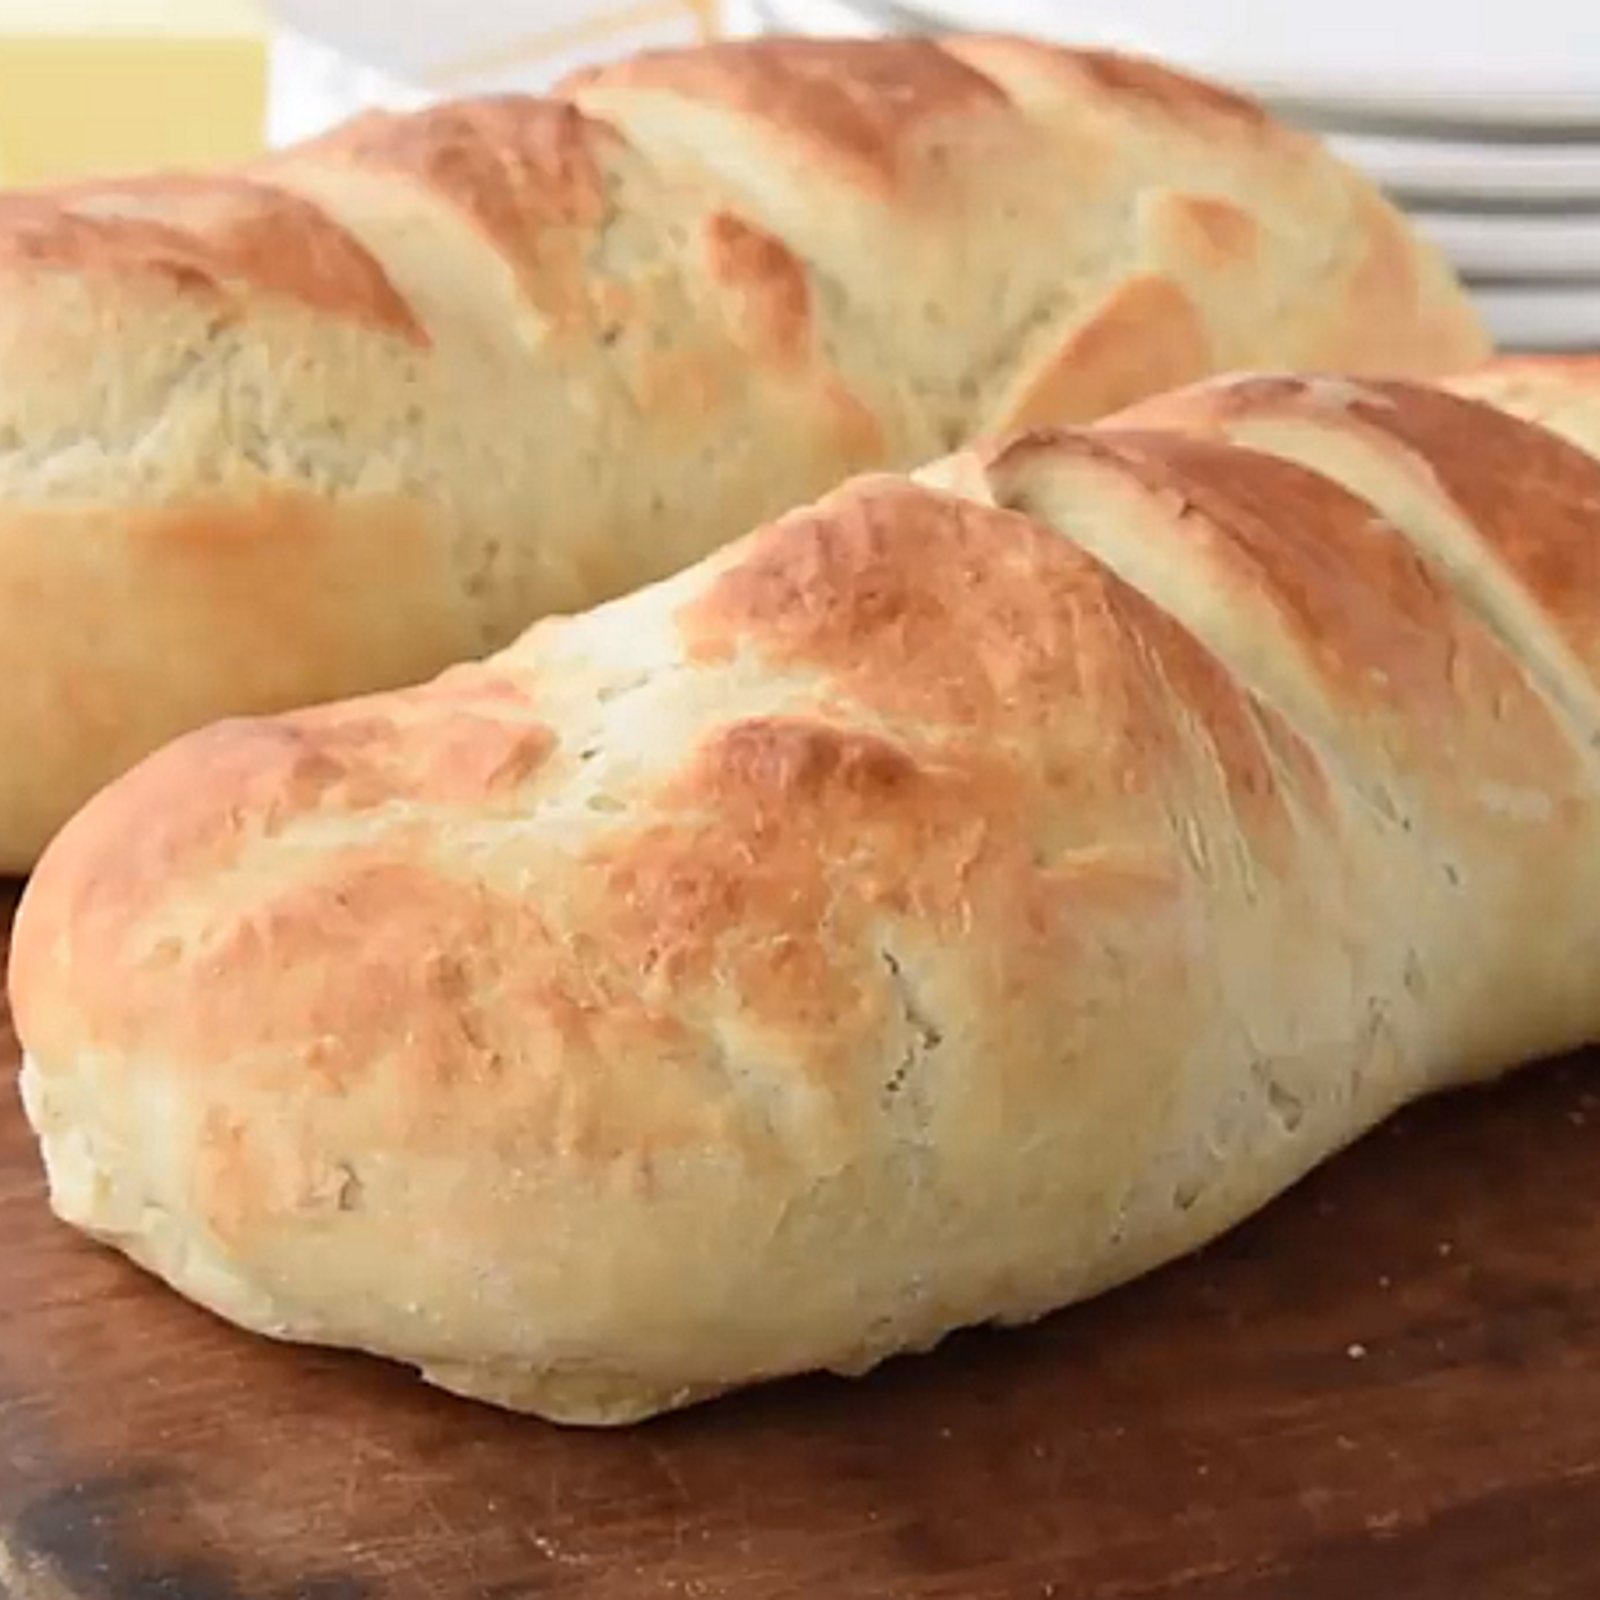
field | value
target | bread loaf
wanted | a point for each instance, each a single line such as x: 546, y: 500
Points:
x: 326, y: 425
x: 960, y: 896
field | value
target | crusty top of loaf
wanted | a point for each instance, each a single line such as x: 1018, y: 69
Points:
x: 888, y: 202
x: 209, y: 237
x: 864, y: 110
x: 1507, y: 509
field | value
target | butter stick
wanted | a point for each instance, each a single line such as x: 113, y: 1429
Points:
x: 113, y: 86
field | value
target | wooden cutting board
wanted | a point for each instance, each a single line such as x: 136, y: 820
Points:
x: 1387, y: 1387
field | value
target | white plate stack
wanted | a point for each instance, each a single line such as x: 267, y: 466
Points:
x: 1480, y: 117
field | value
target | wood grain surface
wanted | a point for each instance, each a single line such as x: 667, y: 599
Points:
x: 1387, y: 1387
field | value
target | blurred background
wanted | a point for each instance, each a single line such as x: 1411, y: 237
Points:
x: 1482, y: 120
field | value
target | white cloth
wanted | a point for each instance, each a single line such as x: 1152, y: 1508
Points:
x: 467, y: 46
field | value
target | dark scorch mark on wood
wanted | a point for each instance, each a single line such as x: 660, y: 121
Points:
x: 91, y: 1538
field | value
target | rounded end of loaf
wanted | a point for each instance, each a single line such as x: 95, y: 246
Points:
x: 268, y: 1061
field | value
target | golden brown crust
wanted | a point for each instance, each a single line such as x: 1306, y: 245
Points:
x: 529, y: 173
x: 223, y: 238
x: 1212, y: 232
x: 854, y: 104
x: 1521, y: 497
x: 923, y: 606
x: 1329, y: 612
x: 1344, y: 593
x: 958, y: 896
x: 1146, y: 336
x: 769, y: 283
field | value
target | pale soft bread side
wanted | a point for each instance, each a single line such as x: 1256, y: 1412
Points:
x: 957, y: 897
x: 324, y: 426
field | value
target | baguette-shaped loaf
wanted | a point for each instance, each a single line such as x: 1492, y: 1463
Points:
x: 372, y: 406
x: 955, y: 898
